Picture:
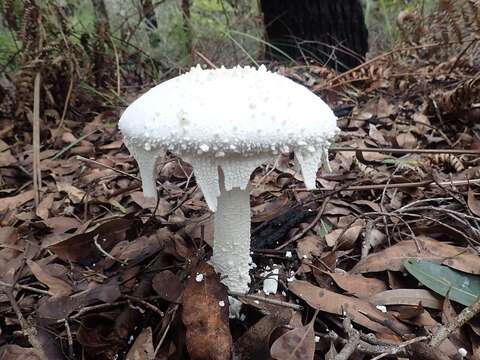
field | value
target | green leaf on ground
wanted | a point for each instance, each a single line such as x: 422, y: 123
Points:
x: 460, y: 287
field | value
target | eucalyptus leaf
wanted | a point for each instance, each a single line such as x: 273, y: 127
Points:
x: 458, y: 286
x: 324, y: 228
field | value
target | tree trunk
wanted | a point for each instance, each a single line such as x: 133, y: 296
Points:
x: 332, y: 32
x: 148, y: 13
x: 102, y: 29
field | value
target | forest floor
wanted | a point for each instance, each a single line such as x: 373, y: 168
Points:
x: 381, y: 260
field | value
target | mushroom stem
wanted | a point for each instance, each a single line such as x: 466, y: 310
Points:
x: 231, y: 244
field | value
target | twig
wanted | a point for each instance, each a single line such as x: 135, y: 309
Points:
x: 37, y: 175
x: 204, y: 58
x: 71, y: 353
x: 27, y: 328
x: 117, y: 63
x: 145, y: 303
x: 84, y: 159
x: 99, y: 247
x: 461, y: 319
x: 452, y: 228
x: 397, y: 348
x: 93, y: 308
x: 353, y: 340
x: 430, y: 183
x: 72, y: 144
x: 405, y: 151
x: 266, y: 300
x: 26, y: 287
x: 184, y: 198
x: 65, y: 106
x: 463, y: 52
x: 164, y: 335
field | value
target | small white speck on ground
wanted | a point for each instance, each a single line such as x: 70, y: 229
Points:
x: 199, y: 277
x: 463, y: 352
x: 382, y: 308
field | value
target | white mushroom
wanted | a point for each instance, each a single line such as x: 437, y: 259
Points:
x: 227, y: 122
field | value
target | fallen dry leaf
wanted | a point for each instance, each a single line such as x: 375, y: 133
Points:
x: 206, y: 320
x: 377, y: 135
x: 414, y: 314
x: 43, y: 208
x: 81, y: 247
x: 333, y: 303
x: 271, y: 209
x: 141, y: 248
x: 392, y: 258
x: 56, y: 286
x: 62, y: 224
x: 421, y: 123
x: 407, y: 297
x: 348, y: 237
x: 75, y: 194
x: 296, y: 344
x: 473, y: 203
x: 309, y: 246
x: 358, y: 285
x: 15, y: 352
x: 332, y: 352
x: 254, y: 343
x: 62, y: 306
x: 12, y: 202
x: 142, y: 348
x: 168, y: 286
x: 163, y: 206
x: 6, y: 158
x: 202, y: 229
x: 406, y: 140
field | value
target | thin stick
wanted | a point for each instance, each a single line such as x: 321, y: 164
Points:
x: 37, y: 175
x: 117, y: 63
x: 145, y: 303
x: 395, y: 349
x: 26, y: 287
x: 465, y: 315
x: 424, y: 183
x: 207, y: 60
x: 266, y: 300
x: 93, y: 308
x: 99, y: 247
x: 84, y: 159
x: 164, y: 335
x: 28, y: 329
x: 72, y: 144
x: 71, y: 353
x: 65, y: 106
x: 353, y: 340
x: 406, y: 151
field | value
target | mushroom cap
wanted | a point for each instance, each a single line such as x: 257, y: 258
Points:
x: 228, y: 111
x: 228, y: 119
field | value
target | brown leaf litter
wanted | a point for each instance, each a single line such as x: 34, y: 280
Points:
x: 94, y: 272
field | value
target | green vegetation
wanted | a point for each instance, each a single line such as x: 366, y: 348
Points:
x: 225, y: 32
